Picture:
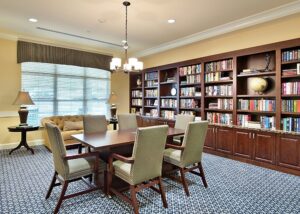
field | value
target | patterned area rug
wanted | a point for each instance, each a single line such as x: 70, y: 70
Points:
x: 234, y: 187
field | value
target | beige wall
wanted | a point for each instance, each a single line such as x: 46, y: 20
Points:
x: 273, y: 31
x: 10, y: 81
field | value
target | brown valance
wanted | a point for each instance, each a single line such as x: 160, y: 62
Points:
x: 32, y: 52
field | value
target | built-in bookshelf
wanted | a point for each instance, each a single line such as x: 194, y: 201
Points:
x: 136, y: 93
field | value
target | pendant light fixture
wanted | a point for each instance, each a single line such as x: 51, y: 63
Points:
x: 131, y: 64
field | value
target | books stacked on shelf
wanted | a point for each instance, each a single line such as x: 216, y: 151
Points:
x: 188, y: 70
x: 290, y: 106
x: 219, y: 90
x: 151, y: 93
x: 136, y: 102
x: 217, y: 76
x: 189, y: 103
x: 222, y: 104
x: 154, y: 113
x: 168, y: 114
x: 265, y: 122
x: 290, y: 55
x: 290, y: 88
x: 150, y: 102
x: 136, y: 93
x: 190, y: 91
x: 168, y: 103
x: 194, y: 79
x: 151, y: 83
x: 219, y: 65
x: 213, y: 105
x: 221, y: 118
x: 290, y: 72
x: 291, y: 124
x: 171, y: 79
x: 151, y: 76
x: 256, y: 105
x: 187, y: 112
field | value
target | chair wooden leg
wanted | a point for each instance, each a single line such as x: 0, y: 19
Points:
x: 202, y: 174
x: 134, y: 201
x: 79, y: 149
x: 51, y: 185
x: 61, y: 198
x: 162, y: 193
x: 108, y: 183
x: 185, y: 186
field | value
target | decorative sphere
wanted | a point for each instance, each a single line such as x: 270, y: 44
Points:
x: 258, y: 84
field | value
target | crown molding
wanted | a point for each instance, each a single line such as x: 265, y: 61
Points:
x: 269, y: 15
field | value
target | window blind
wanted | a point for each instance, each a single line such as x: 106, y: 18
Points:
x: 65, y: 89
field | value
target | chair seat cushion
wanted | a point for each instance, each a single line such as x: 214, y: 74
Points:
x: 83, y: 166
x: 67, y: 134
x: 172, y: 156
x: 123, y: 171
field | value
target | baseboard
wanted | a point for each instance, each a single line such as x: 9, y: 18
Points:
x: 30, y: 143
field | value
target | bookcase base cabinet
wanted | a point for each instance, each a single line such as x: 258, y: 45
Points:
x: 219, y: 139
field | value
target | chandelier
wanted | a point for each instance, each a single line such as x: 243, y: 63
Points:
x: 131, y: 64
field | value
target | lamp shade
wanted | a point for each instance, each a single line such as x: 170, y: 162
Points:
x: 23, y: 98
x: 112, y: 98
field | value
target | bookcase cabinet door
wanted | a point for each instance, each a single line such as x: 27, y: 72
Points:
x: 224, y: 140
x: 264, y: 147
x: 243, y: 144
x: 210, y: 139
x: 288, y: 151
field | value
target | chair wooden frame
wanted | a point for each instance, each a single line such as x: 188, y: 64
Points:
x: 65, y: 183
x: 185, y: 170
x: 133, y: 188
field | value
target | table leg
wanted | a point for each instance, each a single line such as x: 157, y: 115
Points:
x: 22, y: 143
x: 115, y: 126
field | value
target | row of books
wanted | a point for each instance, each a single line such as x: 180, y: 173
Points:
x: 167, y: 114
x: 190, y: 91
x: 290, y: 55
x: 217, y: 76
x: 219, y: 90
x: 189, y: 103
x: 226, y: 104
x: 151, y: 83
x: 151, y: 76
x: 290, y: 124
x: 169, y: 103
x: 289, y: 88
x: 266, y: 122
x: 136, y: 93
x: 256, y: 105
x: 191, y: 79
x: 290, y: 106
x: 219, y: 65
x: 291, y: 71
x: 151, y: 93
x: 136, y: 102
x: 221, y: 118
x: 187, y: 112
x: 193, y: 69
x: 151, y: 102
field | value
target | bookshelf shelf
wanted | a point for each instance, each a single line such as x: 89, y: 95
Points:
x: 290, y: 62
x: 150, y: 106
x: 291, y: 113
x: 218, y: 110
x: 291, y: 96
x: 255, y: 112
x: 255, y: 96
x: 190, y: 97
x: 136, y: 88
x: 190, y: 84
x: 215, y: 97
x: 218, y: 82
x: 168, y: 97
x: 191, y: 109
x: 170, y: 82
x: 150, y: 87
x: 150, y: 97
x: 226, y: 70
x: 257, y: 74
x: 291, y: 76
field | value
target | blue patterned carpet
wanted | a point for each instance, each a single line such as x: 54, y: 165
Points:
x: 234, y: 187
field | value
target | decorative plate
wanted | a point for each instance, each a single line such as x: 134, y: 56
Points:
x: 173, y: 91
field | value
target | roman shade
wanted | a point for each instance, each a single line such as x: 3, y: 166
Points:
x: 33, y: 52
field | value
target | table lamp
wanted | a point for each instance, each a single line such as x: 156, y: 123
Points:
x: 112, y: 100
x: 23, y: 98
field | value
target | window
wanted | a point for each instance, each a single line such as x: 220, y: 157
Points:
x: 65, y: 89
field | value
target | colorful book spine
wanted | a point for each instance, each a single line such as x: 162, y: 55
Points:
x: 220, y: 118
x: 189, y: 70
x: 219, y: 90
x: 290, y: 88
x: 290, y: 124
x: 291, y: 55
x: 256, y: 105
x: 290, y: 106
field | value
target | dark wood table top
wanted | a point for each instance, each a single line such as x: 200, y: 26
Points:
x: 115, y: 138
x: 22, y: 128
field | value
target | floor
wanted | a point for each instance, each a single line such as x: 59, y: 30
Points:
x: 234, y: 187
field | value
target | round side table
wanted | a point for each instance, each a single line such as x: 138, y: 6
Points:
x: 23, y: 130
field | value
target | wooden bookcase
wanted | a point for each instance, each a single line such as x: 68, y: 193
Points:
x: 259, y: 127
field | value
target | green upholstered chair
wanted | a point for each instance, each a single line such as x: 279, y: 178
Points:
x: 94, y: 124
x: 143, y: 169
x: 127, y: 121
x: 181, y: 122
x: 71, y: 168
x: 187, y: 157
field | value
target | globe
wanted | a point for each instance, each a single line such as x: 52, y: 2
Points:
x: 258, y: 84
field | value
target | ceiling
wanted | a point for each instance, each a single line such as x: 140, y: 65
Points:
x: 148, y: 30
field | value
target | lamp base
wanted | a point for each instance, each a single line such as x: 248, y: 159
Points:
x: 113, y: 112
x: 23, y: 114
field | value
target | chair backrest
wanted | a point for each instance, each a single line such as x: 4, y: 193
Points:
x: 148, y: 152
x: 193, y: 142
x: 127, y: 121
x: 58, y: 149
x: 182, y: 121
x: 94, y: 124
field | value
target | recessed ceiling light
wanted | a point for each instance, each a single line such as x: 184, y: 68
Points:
x: 171, y: 21
x: 33, y: 20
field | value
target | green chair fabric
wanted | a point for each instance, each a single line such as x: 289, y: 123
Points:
x: 181, y: 122
x: 193, y: 143
x: 127, y: 121
x: 94, y: 124
x: 147, y: 153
